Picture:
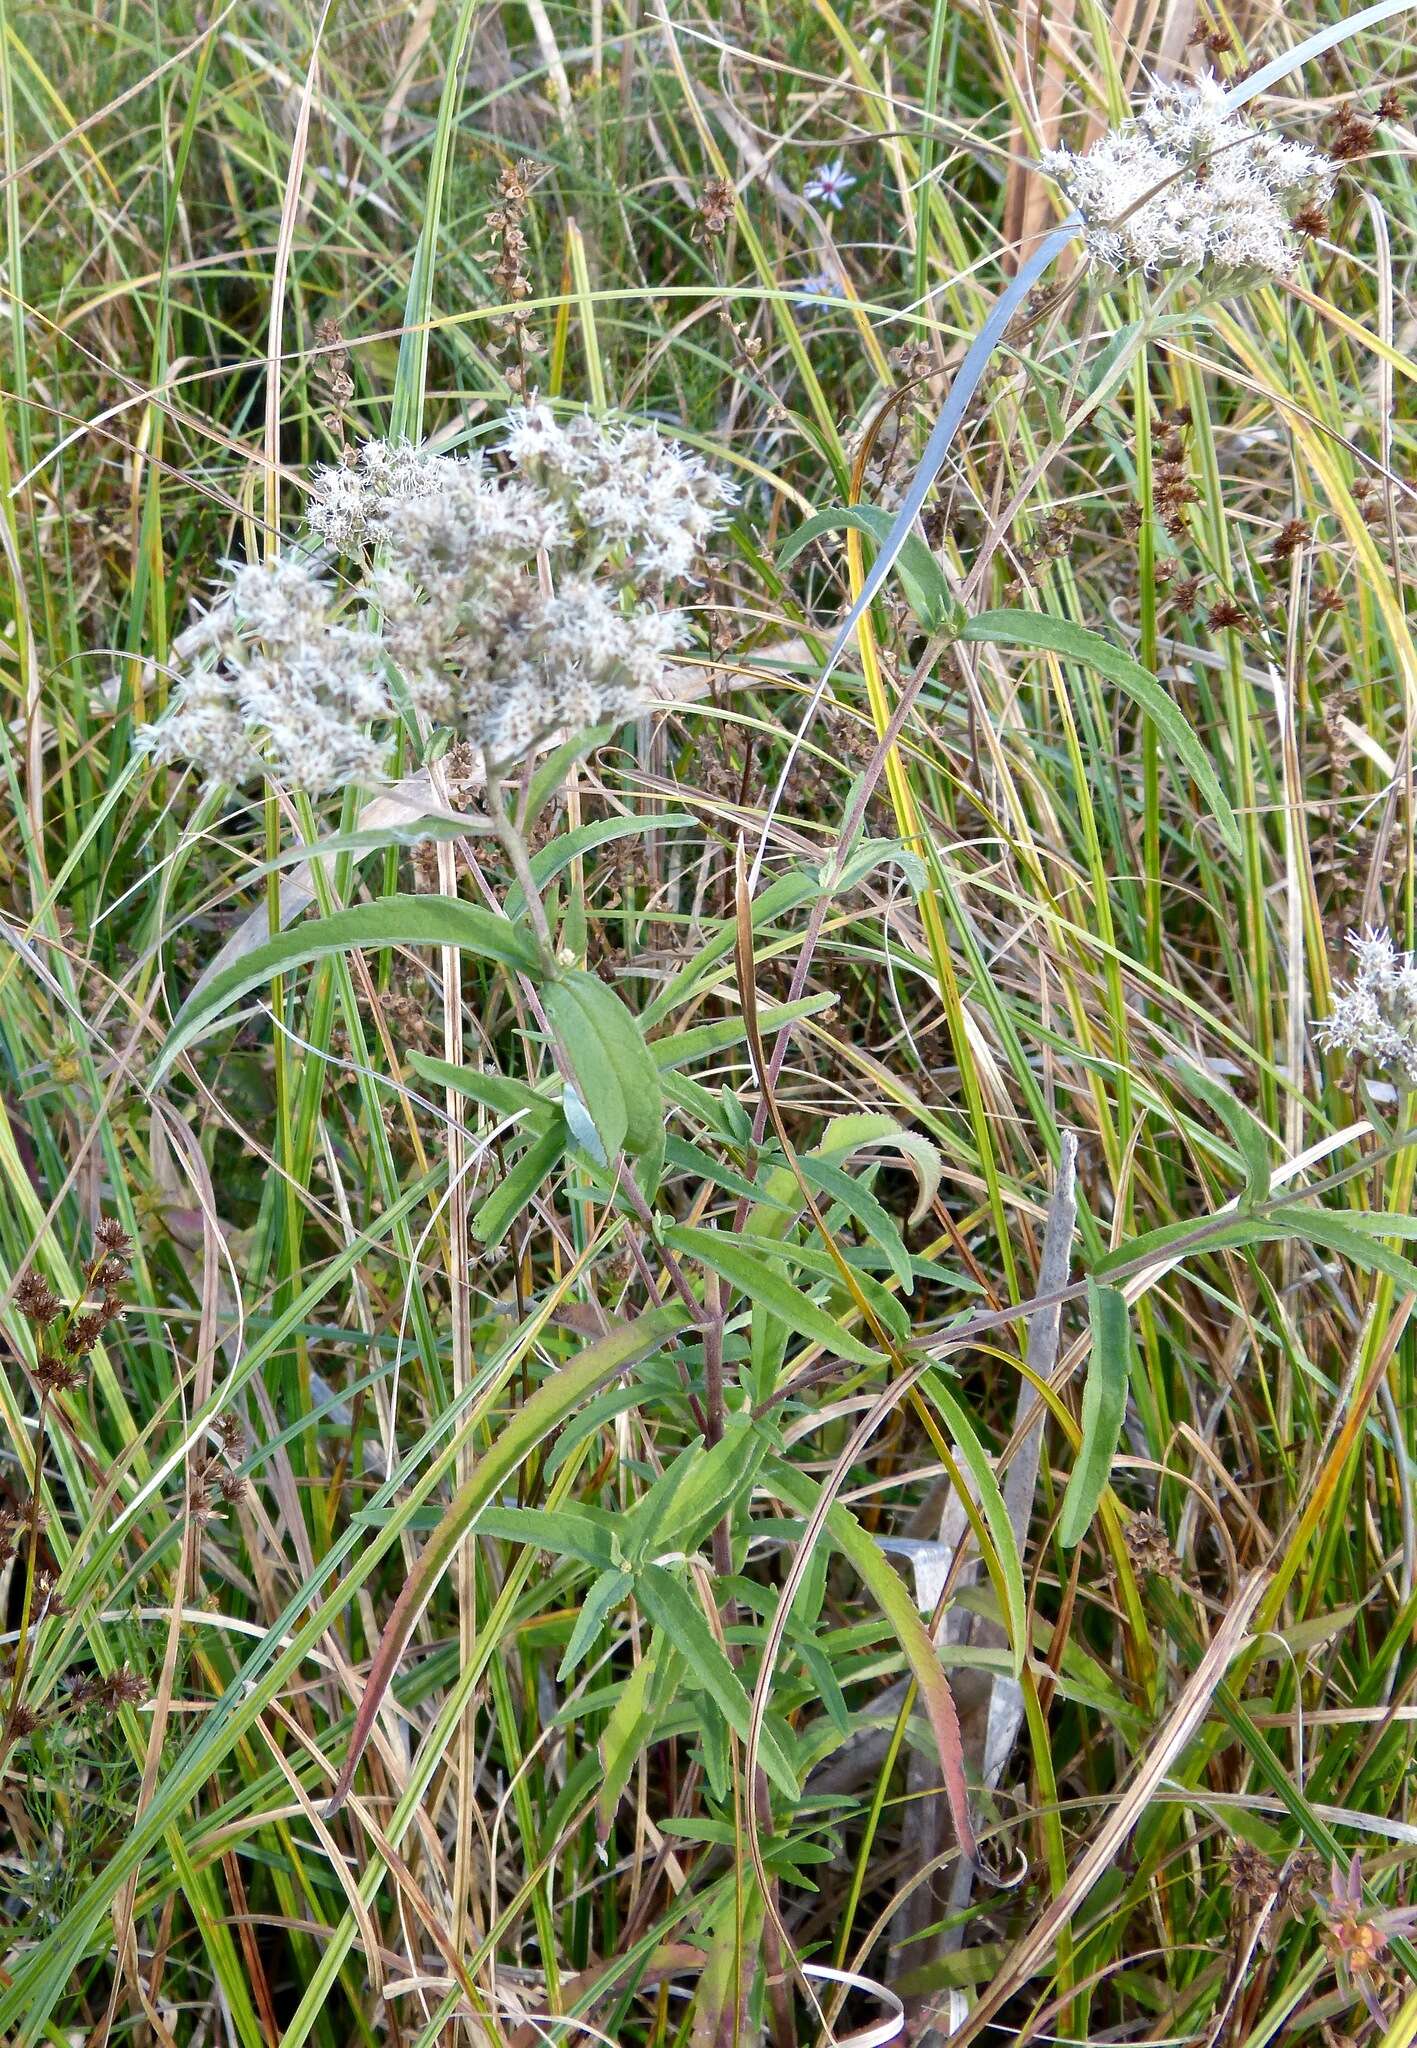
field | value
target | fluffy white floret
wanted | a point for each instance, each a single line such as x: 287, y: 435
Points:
x: 1187, y: 185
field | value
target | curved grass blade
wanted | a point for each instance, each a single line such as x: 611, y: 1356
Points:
x: 547, y: 1408
x: 392, y: 921
x: 1077, y: 643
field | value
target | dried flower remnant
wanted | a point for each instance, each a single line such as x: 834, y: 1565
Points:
x: 64, y: 1336
x: 1149, y: 1546
x: 1304, y: 1871
x: 1227, y: 615
x: 1188, y: 185
x: 1374, y: 1017
x: 829, y: 184
x: 509, y: 246
x: 1350, y: 136
x: 1292, y: 538
x: 36, y: 1300
x: 1214, y: 40
x: 714, y: 210
x: 914, y: 360
x: 1254, y: 1879
x: 120, y: 1688
x: 1185, y: 592
x: 330, y: 373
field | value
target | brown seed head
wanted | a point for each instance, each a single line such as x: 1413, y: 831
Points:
x: 1291, y: 537
x: 36, y: 1300
x: 715, y: 209
x: 1253, y: 1878
x: 1149, y: 1547
x: 1225, y: 615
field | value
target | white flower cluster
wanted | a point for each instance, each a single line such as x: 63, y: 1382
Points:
x: 1375, y: 1014
x: 517, y: 598
x: 1188, y: 185
x: 284, y: 686
x: 525, y: 600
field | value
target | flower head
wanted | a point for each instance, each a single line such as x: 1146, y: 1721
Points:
x: 1186, y: 184
x: 1357, y: 1935
x: 350, y: 501
x: 518, y: 594
x: 829, y: 184
x: 822, y: 288
x: 291, y: 689
x: 1374, y: 1016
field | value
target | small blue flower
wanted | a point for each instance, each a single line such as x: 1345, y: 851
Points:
x: 830, y: 184
x: 822, y: 288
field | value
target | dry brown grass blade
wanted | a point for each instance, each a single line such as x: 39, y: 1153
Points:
x: 32, y: 716
x: 406, y: 69
x: 1042, y: 35
x: 1185, y: 1718
x: 280, y: 273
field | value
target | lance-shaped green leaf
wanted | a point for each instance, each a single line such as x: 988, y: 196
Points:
x: 765, y: 1286
x: 629, y: 1727
x: 884, y: 1583
x: 604, y: 1596
x: 858, y: 1201
x: 1251, y: 1141
x: 926, y: 591
x: 1104, y: 1406
x: 699, y: 1488
x: 615, y: 1077
x: 670, y: 1607
x: 597, y: 1084
x: 1076, y: 643
x: 630, y: 1056
x: 497, y: 1214
x: 585, y: 1533
x: 503, y: 1096
x: 544, y: 1411
x: 699, y: 1041
x: 392, y: 921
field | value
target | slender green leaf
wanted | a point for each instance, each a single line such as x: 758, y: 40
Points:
x: 629, y: 1056
x: 926, y: 589
x: 495, y: 1217
x: 764, y: 1285
x: 1251, y: 1140
x: 1104, y: 1408
x: 671, y: 1608
x: 604, y: 1596
x: 584, y: 1533
x: 1078, y: 643
x: 593, y: 1070
x: 392, y: 921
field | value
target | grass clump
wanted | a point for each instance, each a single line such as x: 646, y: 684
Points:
x: 702, y: 1347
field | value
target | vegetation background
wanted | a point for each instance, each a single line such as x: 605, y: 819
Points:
x: 988, y: 1071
